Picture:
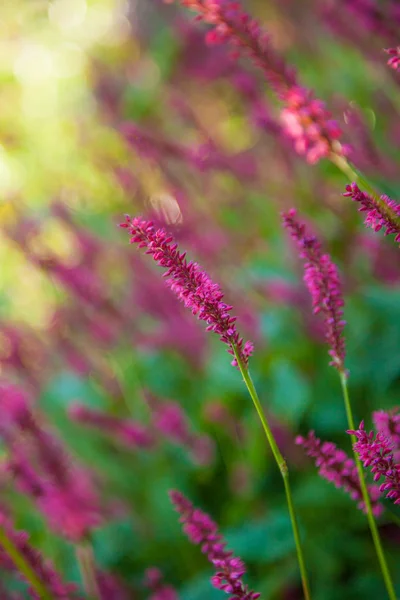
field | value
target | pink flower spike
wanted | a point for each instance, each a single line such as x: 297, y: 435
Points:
x: 382, y: 213
x: 376, y: 451
x: 201, y: 530
x: 191, y: 284
x: 335, y: 466
x: 322, y: 279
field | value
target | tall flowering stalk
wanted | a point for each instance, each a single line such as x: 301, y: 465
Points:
x: 376, y: 451
x: 322, y: 279
x: 202, y: 530
x: 204, y: 298
x: 190, y: 284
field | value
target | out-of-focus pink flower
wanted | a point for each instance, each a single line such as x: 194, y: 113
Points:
x: 307, y: 122
x: 154, y: 581
x: 394, y: 61
x: 125, y: 431
x: 63, y: 491
x: 170, y: 420
x: 322, y: 279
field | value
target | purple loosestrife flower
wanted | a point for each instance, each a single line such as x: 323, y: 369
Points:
x: 376, y: 451
x: 382, y: 213
x: 190, y: 284
x: 43, y: 569
x: 322, y: 279
x: 160, y: 590
x: 394, y: 61
x: 125, y: 431
x: 202, y: 530
x: 335, y: 466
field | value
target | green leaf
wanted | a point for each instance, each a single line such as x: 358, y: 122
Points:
x: 263, y: 541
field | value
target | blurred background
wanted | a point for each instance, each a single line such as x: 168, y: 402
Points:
x: 110, y: 107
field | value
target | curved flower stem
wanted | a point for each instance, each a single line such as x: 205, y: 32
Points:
x: 23, y: 566
x: 280, y: 461
x: 371, y: 519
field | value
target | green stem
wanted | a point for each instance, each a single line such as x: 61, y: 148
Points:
x: 23, y: 566
x: 84, y: 555
x: 280, y: 461
x: 370, y: 516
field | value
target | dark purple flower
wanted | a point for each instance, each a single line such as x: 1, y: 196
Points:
x: 322, y: 279
x: 376, y: 451
x: 190, y: 284
x: 382, y: 212
x: 335, y: 466
x: 202, y: 530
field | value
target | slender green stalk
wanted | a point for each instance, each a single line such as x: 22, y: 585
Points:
x: 84, y: 555
x: 280, y: 461
x: 370, y: 516
x: 23, y: 566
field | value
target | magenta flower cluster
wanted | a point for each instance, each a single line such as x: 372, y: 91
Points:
x: 322, y: 279
x: 337, y: 467
x: 381, y: 213
x: 191, y: 284
x: 376, y: 451
x: 202, y: 530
